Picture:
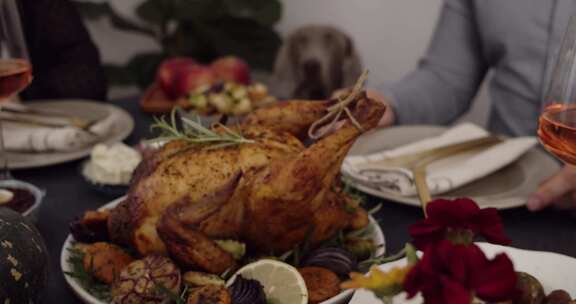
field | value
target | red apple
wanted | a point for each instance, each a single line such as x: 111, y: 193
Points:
x: 193, y: 77
x: 170, y: 71
x: 231, y: 68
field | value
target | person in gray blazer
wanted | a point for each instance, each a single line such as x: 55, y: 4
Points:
x: 515, y: 41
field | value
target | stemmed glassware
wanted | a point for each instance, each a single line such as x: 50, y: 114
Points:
x: 15, y: 67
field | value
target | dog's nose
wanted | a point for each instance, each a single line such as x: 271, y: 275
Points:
x: 312, y: 67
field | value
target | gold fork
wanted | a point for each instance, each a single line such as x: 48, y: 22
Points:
x: 419, y: 167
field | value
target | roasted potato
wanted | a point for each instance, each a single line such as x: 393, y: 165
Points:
x: 210, y: 294
x: 558, y: 297
x: 531, y: 290
x: 322, y: 284
x: 91, y: 227
x: 199, y: 279
x: 105, y: 260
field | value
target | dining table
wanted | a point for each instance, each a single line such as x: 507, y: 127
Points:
x: 68, y: 196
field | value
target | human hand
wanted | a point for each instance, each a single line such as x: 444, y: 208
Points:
x: 388, y: 118
x: 558, y: 190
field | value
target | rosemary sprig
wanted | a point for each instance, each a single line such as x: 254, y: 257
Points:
x: 194, y: 133
x: 85, y: 278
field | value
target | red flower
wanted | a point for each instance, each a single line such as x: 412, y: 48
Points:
x: 453, y: 274
x: 458, y: 220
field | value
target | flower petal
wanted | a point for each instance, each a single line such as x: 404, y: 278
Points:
x: 454, y: 259
x: 452, y: 213
x: 422, y: 277
x: 425, y: 233
x: 496, y: 280
x: 489, y: 224
x: 454, y: 292
x: 414, y: 281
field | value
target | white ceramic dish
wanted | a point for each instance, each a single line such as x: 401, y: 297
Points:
x: 82, y: 108
x: 87, y: 298
x: 32, y: 212
x: 554, y: 271
x: 504, y: 189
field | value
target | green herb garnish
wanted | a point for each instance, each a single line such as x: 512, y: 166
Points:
x: 383, y: 259
x: 360, y: 197
x: 227, y: 273
x: 375, y: 209
x: 85, y: 278
x: 174, y: 297
x: 194, y: 133
x: 299, y: 251
x: 286, y: 255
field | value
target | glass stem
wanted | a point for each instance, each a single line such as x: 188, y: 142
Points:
x: 4, y: 171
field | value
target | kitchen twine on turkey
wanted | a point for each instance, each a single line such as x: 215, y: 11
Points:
x: 319, y: 128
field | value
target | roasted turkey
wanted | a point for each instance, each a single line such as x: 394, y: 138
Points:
x: 270, y: 194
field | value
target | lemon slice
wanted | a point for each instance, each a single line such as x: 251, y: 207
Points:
x: 282, y: 283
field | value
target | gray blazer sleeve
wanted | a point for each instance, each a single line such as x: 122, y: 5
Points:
x: 448, y: 77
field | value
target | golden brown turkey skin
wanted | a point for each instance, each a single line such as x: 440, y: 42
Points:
x: 294, y: 116
x: 295, y: 195
x: 174, y: 174
x: 270, y: 194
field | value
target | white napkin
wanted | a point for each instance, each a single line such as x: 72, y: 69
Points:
x: 444, y: 175
x: 27, y: 138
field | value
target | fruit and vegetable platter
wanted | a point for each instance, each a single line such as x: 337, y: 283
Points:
x: 223, y: 87
x: 239, y: 214
x: 102, y: 272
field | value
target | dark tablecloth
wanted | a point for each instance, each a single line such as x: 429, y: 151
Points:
x: 68, y: 196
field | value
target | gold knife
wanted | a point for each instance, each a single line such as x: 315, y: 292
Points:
x: 409, y: 160
x: 36, y: 121
x: 45, y: 120
x: 419, y: 168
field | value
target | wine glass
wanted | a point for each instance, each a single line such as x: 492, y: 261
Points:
x: 15, y: 67
x: 557, y: 127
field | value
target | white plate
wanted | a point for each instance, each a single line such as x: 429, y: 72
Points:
x: 504, y: 189
x: 82, y: 108
x: 554, y: 271
x: 87, y: 298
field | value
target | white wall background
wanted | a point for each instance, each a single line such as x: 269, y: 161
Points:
x: 390, y: 35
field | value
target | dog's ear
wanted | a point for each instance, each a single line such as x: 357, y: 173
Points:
x: 349, y: 49
x: 352, y: 65
x: 283, y: 80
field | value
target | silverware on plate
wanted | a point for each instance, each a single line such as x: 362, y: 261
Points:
x: 48, y: 121
x: 419, y: 161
